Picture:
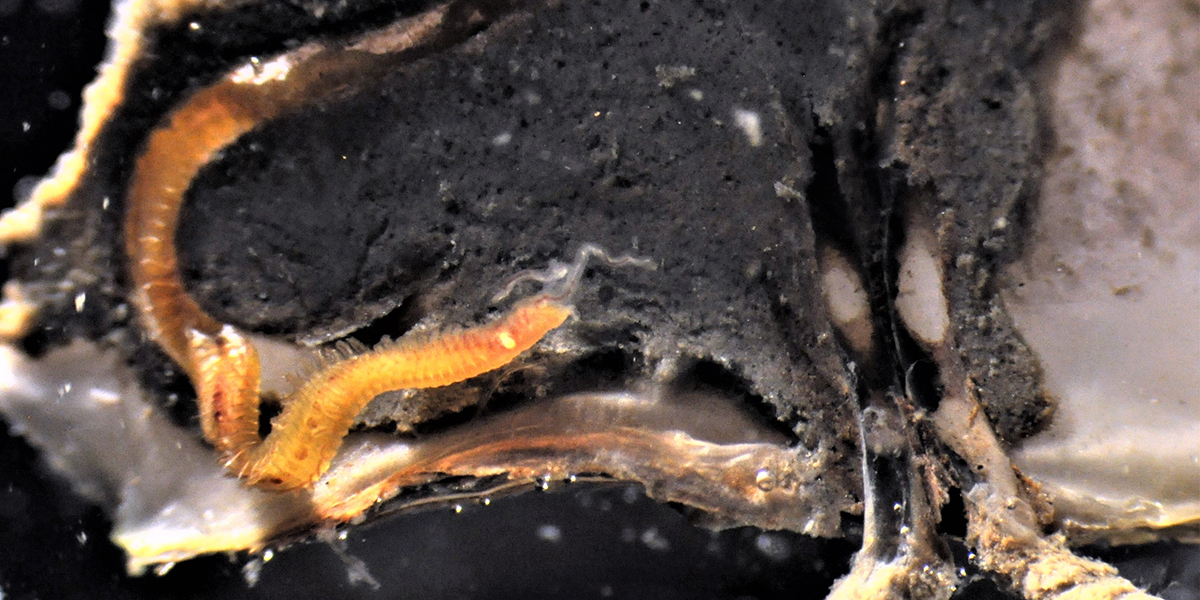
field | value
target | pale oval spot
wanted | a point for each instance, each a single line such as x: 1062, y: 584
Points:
x: 920, y: 298
x: 506, y: 340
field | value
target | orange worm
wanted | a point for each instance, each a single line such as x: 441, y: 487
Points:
x: 222, y: 365
x: 198, y: 130
x: 173, y: 155
x: 305, y: 437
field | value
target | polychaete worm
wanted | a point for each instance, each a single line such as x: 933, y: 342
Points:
x: 224, y: 367
x: 222, y: 364
x: 305, y: 437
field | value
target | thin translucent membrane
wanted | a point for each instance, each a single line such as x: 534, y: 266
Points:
x: 658, y: 443
x: 170, y: 501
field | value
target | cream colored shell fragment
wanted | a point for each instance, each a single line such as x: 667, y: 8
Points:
x: 921, y: 296
x: 846, y: 299
x: 17, y: 313
x: 131, y: 20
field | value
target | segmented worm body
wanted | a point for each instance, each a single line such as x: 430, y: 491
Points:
x: 221, y: 363
x: 196, y: 132
x: 306, y: 436
x: 174, y: 154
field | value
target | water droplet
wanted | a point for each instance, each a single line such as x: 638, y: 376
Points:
x: 57, y: 7
x: 268, y: 554
x: 773, y: 546
x: 765, y: 480
x: 164, y: 568
x: 58, y: 100
x: 458, y: 509
x: 630, y: 495
x: 654, y: 540
x: 549, y: 533
x: 251, y: 572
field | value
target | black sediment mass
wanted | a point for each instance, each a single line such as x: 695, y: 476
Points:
x: 616, y: 123
x: 683, y: 132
